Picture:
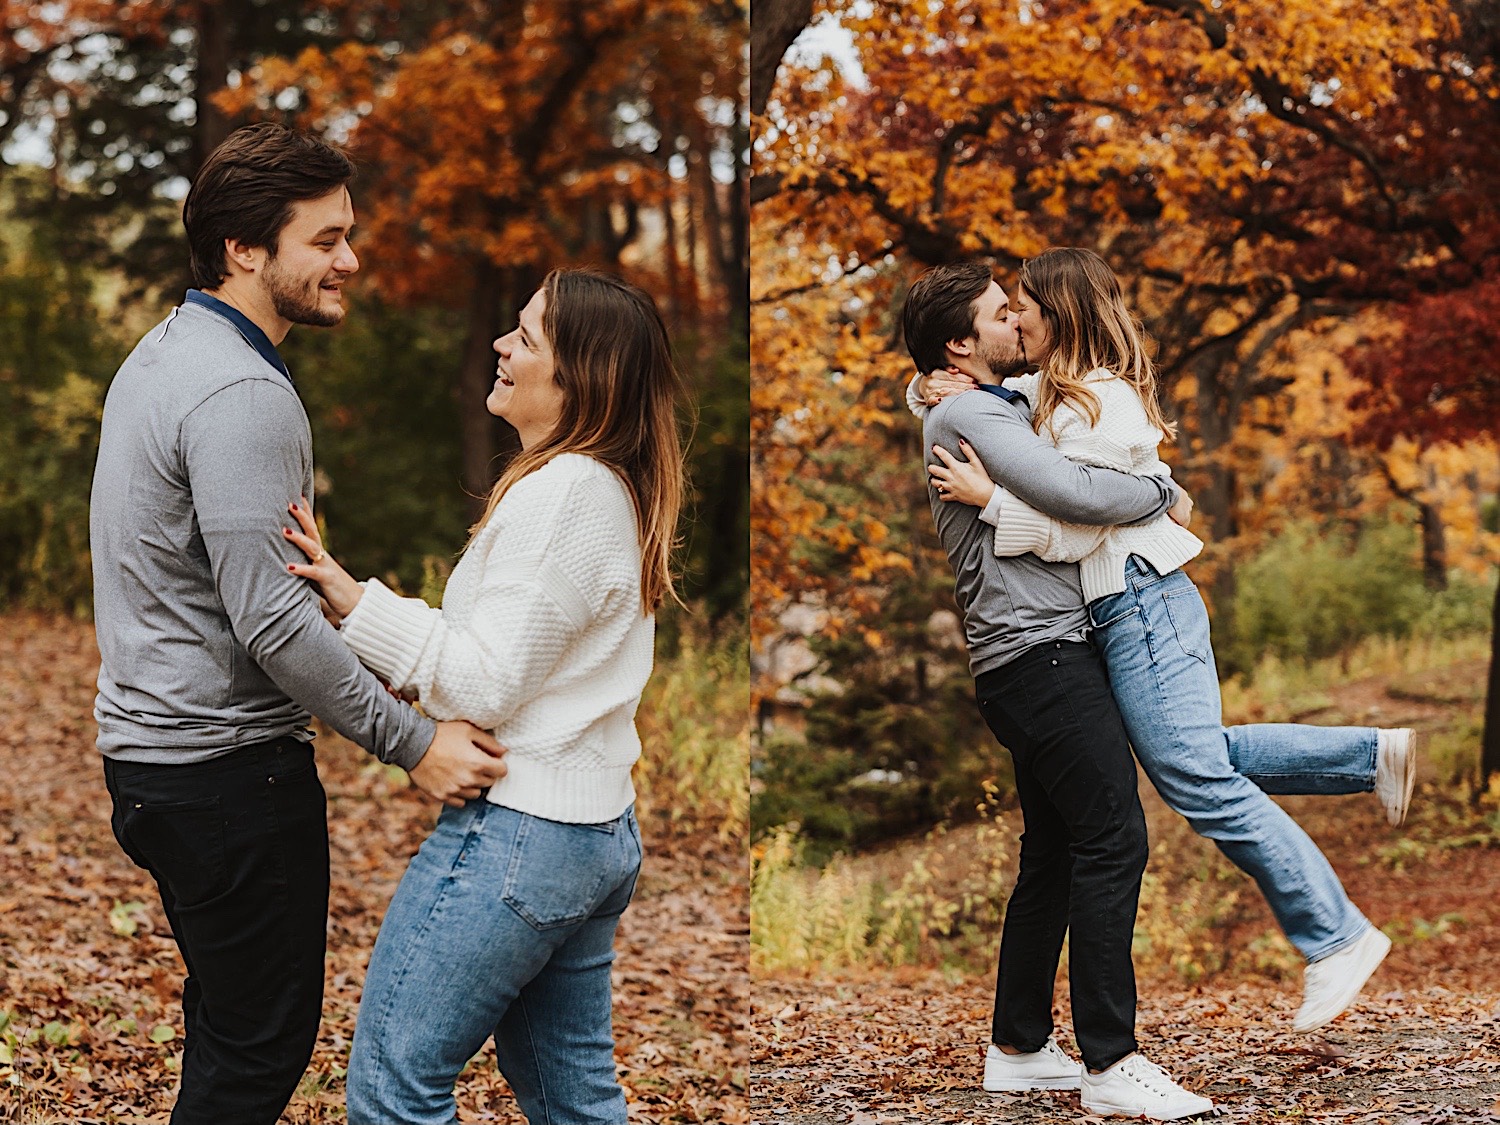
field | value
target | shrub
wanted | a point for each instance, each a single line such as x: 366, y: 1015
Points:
x: 1312, y: 593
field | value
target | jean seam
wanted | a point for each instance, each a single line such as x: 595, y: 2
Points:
x: 414, y: 945
x: 474, y: 832
x: 1300, y: 886
x: 1357, y: 775
x: 536, y: 1062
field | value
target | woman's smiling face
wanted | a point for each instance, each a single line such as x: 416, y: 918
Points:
x: 526, y: 393
x: 1032, y: 327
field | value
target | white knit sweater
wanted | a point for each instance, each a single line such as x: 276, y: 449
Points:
x: 541, y: 639
x: 1123, y: 439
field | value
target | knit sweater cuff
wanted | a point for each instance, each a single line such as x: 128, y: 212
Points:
x: 1021, y: 528
x: 914, y: 401
x: 388, y: 632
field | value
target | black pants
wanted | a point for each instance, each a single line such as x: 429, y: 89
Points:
x: 1082, y: 852
x: 238, y: 847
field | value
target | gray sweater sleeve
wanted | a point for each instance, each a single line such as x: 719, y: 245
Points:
x: 1031, y: 467
x: 246, y: 451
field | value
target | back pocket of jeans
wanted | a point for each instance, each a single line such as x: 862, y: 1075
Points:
x: 182, y: 843
x: 1189, y: 622
x: 557, y: 872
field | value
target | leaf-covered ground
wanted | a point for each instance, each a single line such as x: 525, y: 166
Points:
x: 90, y: 979
x: 910, y: 1048
x: 868, y: 1047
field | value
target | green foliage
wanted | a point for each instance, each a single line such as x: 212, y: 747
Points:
x: 875, y: 762
x: 694, y: 724
x: 57, y: 360
x: 1313, y: 593
x: 386, y: 429
x: 898, y: 747
x: 716, y: 547
x: 947, y: 904
x: 1313, y: 609
x: 386, y: 437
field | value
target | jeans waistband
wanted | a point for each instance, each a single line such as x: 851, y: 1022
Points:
x: 988, y: 683
x: 250, y: 756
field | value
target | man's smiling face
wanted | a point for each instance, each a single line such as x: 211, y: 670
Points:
x: 313, y: 259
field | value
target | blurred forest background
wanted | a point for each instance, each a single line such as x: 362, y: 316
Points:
x: 494, y: 142
x: 1303, y: 203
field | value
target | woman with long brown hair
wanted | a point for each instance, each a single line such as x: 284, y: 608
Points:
x: 504, y: 922
x: 1095, y: 399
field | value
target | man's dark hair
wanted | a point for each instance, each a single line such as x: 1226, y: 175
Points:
x: 939, y: 308
x: 246, y: 189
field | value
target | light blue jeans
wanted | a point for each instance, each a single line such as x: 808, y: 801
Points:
x: 1155, y: 644
x: 503, y: 925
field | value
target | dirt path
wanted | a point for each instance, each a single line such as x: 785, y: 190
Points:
x: 88, y: 971
x: 911, y: 1049
x: 1422, y: 1045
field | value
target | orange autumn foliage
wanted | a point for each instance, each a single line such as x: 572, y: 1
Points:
x: 1262, y: 178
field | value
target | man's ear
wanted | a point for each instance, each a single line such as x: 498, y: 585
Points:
x: 963, y: 348
x: 247, y: 258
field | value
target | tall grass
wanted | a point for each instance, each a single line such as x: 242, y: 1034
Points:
x: 694, y: 721
x: 1289, y: 690
x: 946, y: 906
x: 942, y: 901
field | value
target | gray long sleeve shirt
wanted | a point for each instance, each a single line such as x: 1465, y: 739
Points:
x: 1013, y: 604
x: 207, y: 642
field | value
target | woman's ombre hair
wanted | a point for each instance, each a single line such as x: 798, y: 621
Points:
x: 613, y: 363
x: 1080, y: 298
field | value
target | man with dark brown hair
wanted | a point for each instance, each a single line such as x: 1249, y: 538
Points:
x: 1042, y: 689
x: 212, y: 654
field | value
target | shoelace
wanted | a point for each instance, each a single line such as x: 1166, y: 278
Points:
x: 1148, y: 1074
x: 1056, y: 1053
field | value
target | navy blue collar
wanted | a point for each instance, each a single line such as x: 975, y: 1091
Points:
x: 247, y: 327
x: 1006, y: 393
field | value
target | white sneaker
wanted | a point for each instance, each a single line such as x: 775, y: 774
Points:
x: 1330, y: 985
x: 1136, y: 1086
x: 1395, y: 771
x: 1047, y: 1069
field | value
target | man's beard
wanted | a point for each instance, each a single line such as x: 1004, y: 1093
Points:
x: 1004, y: 363
x: 295, y: 303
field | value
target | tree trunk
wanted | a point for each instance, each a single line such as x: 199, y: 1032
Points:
x: 694, y: 239
x: 713, y: 215
x: 212, y: 74
x: 1489, y: 743
x: 737, y: 276
x: 669, y: 239
x: 774, y: 24
x: 1434, y: 549
x: 1215, y: 500
x: 1434, y: 540
x: 482, y: 434
x: 728, y: 545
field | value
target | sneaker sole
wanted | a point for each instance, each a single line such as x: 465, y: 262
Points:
x: 1372, y: 963
x: 1020, y: 1085
x: 1109, y: 1110
x: 1397, y: 816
